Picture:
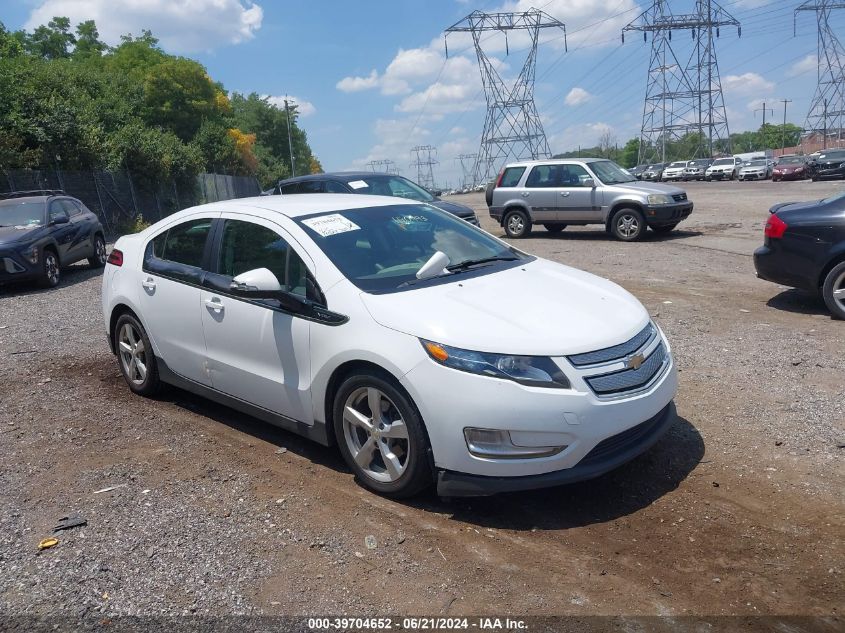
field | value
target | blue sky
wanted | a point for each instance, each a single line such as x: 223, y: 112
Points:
x: 372, y: 79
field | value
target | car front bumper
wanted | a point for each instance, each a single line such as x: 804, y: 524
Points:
x: 667, y: 213
x: 835, y: 172
x: 14, y: 267
x: 719, y: 175
x: 789, y: 175
x: 575, y: 419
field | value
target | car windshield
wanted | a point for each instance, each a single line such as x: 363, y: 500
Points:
x: 758, y: 163
x: 832, y: 156
x: 380, y: 249
x: 610, y: 173
x: 699, y: 163
x: 675, y: 165
x: 21, y: 213
x: 396, y: 186
x: 791, y: 160
x: 723, y: 161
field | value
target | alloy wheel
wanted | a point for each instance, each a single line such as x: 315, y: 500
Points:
x: 627, y: 225
x: 839, y: 291
x: 101, y: 251
x: 516, y: 224
x: 133, y: 354
x: 375, y: 434
x: 51, y: 268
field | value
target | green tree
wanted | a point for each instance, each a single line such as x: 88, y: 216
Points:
x: 88, y: 40
x: 631, y: 153
x: 52, y: 41
x: 10, y: 46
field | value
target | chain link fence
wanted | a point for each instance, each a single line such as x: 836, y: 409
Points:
x: 119, y: 199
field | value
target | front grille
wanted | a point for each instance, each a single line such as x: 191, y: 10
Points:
x: 629, y: 379
x: 616, y: 352
x: 679, y: 197
x: 619, y: 442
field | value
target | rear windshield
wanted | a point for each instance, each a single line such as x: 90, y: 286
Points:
x: 21, y: 213
x: 511, y: 176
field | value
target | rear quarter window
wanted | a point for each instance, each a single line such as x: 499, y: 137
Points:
x: 511, y: 176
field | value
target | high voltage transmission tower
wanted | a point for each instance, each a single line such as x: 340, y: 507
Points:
x: 467, y: 169
x: 512, y: 127
x: 827, y: 111
x: 684, y: 92
x: 387, y: 166
x: 424, y: 162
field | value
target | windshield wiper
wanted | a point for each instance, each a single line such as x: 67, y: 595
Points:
x: 469, y: 263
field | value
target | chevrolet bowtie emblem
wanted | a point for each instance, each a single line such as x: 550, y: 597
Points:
x: 635, y: 361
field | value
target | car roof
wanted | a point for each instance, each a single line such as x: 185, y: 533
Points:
x: 553, y: 161
x: 336, y: 175
x: 298, y: 206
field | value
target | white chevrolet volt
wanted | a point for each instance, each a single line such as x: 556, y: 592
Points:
x: 426, y: 349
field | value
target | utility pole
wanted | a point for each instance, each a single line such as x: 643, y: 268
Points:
x: 512, y: 126
x: 829, y: 99
x: 677, y: 92
x: 424, y: 162
x: 467, y: 169
x: 783, y: 130
x: 386, y: 165
x: 763, y: 129
x: 290, y: 143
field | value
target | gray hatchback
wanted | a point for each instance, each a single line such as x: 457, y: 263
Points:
x: 559, y: 193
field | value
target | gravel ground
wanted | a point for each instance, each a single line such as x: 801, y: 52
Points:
x: 738, y: 511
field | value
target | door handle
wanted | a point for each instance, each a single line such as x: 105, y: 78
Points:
x: 215, y: 304
x: 565, y: 193
x: 525, y: 194
x: 149, y: 283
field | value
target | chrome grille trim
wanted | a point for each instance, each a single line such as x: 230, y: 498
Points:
x: 616, y: 352
x: 627, y: 380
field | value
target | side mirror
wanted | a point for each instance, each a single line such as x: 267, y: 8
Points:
x: 259, y: 283
x: 59, y: 219
x: 589, y: 182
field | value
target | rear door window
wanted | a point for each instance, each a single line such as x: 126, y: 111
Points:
x: 183, y: 243
x: 511, y: 176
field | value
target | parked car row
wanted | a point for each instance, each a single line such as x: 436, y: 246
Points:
x: 827, y: 164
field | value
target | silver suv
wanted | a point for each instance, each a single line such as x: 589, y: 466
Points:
x: 557, y: 193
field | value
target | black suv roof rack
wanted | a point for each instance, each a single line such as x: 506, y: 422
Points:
x: 33, y: 192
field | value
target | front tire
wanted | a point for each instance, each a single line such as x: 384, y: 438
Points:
x: 833, y: 291
x: 51, y: 271
x: 98, y: 259
x: 135, y: 356
x: 627, y: 225
x: 381, y: 435
x: 517, y: 224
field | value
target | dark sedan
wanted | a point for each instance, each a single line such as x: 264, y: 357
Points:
x: 830, y: 164
x: 791, y: 168
x: 373, y: 184
x: 39, y: 234
x: 805, y: 248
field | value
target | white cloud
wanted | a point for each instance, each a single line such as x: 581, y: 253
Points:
x: 356, y: 84
x: 439, y: 98
x: 181, y: 26
x: 306, y: 108
x: 805, y: 65
x: 746, y: 84
x: 577, y: 96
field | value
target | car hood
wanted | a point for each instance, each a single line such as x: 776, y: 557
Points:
x: 788, y: 168
x: 639, y: 187
x: 15, y: 235
x: 460, y: 210
x: 539, y: 309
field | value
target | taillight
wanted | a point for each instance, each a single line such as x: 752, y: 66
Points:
x: 116, y: 257
x: 775, y: 227
x: 499, y: 179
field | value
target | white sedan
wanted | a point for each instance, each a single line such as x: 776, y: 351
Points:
x: 424, y: 348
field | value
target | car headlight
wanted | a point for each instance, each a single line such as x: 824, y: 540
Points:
x: 659, y: 198
x: 30, y: 253
x: 534, y: 371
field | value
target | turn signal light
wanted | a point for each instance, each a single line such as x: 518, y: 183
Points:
x: 775, y: 227
x: 436, y: 351
x: 115, y: 257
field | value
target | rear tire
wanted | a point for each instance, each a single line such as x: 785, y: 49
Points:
x: 488, y: 193
x: 627, y: 225
x: 387, y: 450
x: 554, y: 228
x: 98, y: 260
x: 51, y: 271
x: 833, y: 291
x: 135, y: 356
x: 517, y: 224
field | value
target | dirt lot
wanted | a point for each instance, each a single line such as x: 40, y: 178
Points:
x: 738, y: 510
